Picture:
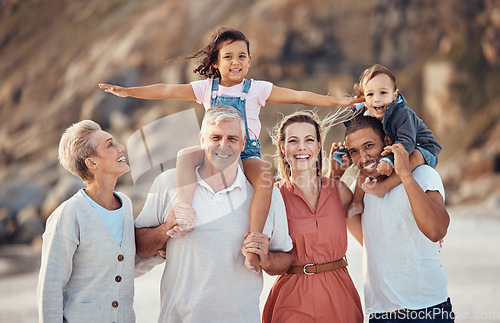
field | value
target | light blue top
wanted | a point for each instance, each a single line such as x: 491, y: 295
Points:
x: 113, y: 219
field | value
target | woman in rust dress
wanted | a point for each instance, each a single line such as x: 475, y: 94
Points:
x: 317, y: 288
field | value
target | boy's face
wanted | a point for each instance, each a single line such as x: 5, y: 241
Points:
x: 378, y: 93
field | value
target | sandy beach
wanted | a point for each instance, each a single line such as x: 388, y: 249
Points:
x: 470, y: 258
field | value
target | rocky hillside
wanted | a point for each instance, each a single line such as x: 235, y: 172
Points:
x: 52, y: 55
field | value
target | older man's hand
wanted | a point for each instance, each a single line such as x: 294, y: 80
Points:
x: 257, y: 243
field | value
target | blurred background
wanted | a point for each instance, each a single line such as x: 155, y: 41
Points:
x: 445, y: 54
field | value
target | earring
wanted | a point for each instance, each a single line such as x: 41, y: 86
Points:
x: 96, y: 167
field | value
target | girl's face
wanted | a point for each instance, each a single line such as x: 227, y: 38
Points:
x: 109, y: 156
x: 301, y: 146
x: 379, y: 92
x: 233, y: 62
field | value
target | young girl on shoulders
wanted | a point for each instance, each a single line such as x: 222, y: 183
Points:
x: 224, y: 63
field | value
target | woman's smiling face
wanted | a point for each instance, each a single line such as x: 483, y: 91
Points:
x: 301, y: 146
x: 109, y: 155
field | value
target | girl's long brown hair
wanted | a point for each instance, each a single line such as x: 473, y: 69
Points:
x: 210, y: 54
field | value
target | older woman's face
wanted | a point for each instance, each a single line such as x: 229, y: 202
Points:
x: 301, y: 146
x: 109, y: 155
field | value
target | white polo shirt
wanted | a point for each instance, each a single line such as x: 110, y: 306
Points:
x: 205, y: 279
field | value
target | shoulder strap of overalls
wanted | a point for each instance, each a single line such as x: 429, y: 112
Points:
x: 215, y: 84
x: 246, y: 86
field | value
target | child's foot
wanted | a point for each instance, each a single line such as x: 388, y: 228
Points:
x: 354, y: 209
x: 339, y: 155
x: 252, y: 262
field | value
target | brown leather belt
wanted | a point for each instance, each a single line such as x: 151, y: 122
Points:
x: 311, y: 269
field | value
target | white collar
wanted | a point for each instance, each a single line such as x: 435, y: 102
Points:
x: 240, y: 181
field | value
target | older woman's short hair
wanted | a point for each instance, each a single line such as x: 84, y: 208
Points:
x: 221, y: 113
x: 76, y: 145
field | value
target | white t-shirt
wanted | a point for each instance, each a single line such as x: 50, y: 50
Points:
x: 255, y: 99
x: 401, y: 265
x: 205, y: 279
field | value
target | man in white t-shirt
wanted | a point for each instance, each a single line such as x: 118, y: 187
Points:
x: 401, y: 232
x: 205, y: 279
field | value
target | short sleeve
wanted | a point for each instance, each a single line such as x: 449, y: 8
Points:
x: 158, y: 201
x: 277, y: 225
x: 202, y: 89
x: 264, y: 89
x: 154, y: 213
x: 428, y: 178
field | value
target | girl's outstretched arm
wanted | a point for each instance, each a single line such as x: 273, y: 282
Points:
x: 284, y: 95
x: 152, y: 92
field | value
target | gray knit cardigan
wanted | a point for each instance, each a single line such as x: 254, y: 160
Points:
x: 85, y: 276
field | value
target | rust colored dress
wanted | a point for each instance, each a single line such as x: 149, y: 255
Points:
x: 318, y: 237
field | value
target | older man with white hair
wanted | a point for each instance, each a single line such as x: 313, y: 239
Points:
x: 205, y: 279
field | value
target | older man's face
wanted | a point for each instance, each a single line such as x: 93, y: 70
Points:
x: 223, y: 144
x: 365, y: 148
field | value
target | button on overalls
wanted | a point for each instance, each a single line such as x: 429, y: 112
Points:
x: 252, y: 146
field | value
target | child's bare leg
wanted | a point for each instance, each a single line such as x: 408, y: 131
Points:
x: 185, y: 178
x: 379, y: 189
x: 416, y: 159
x: 259, y: 173
x: 357, y: 205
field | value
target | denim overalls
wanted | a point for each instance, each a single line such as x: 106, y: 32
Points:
x: 252, y: 146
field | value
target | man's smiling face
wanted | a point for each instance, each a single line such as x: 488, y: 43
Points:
x: 365, y: 148
x: 223, y: 144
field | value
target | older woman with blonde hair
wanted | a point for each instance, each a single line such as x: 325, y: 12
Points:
x: 87, y: 268
x: 317, y: 287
